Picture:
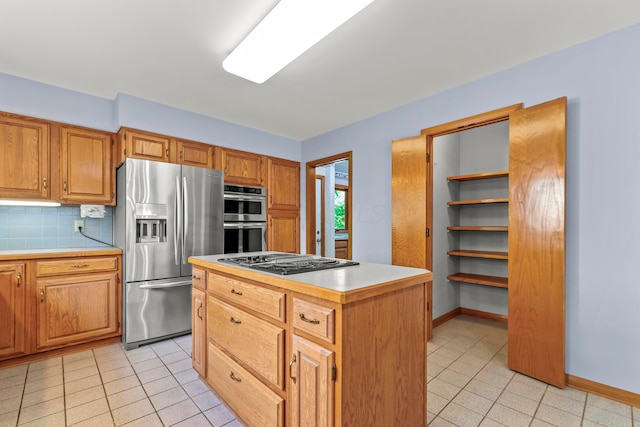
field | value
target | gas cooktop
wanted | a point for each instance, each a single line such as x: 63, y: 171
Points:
x: 285, y: 264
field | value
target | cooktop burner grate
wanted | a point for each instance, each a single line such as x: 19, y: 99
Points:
x: 285, y: 264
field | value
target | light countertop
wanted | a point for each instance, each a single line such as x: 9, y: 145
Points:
x: 337, y: 284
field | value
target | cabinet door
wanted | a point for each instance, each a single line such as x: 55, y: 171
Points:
x: 537, y: 151
x: 85, y: 166
x: 312, y: 387
x: 142, y: 145
x: 24, y: 159
x: 283, y: 184
x: 76, y: 308
x: 199, y: 331
x: 241, y: 167
x: 12, y: 310
x: 283, y: 231
x: 195, y: 154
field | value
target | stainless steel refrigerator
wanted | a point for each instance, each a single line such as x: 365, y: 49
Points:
x: 164, y: 214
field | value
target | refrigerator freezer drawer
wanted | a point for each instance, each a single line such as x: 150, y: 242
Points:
x: 155, y: 309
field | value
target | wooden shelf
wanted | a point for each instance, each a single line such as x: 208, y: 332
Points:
x: 479, y: 279
x: 477, y: 202
x: 479, y: 254
x: 477, y: 176
x: 478, y: 228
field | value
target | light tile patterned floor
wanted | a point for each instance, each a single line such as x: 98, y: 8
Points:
x: 469, y: 384
x: 155, y: 385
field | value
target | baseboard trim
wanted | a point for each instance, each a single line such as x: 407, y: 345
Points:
x: 604, y: 390
x: 446, y: 317
x: 484, y: 315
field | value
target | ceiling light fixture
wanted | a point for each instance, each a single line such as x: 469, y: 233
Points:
x: 292, y: 27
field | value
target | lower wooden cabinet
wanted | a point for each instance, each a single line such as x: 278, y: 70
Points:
x: 311, y: 397
x: 76, y: 309
x: 199, y: 331
x: 342, y: 249
x: 50, y: 303
x: 13, y: 339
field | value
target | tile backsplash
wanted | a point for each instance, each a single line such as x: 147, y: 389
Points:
x: 26, y: 227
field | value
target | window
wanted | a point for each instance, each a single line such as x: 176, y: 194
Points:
x: 340, y: 207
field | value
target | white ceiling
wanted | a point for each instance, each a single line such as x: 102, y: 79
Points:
x: 391, y: 53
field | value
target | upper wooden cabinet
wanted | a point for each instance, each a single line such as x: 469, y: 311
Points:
x: 283, y: 184
x: 194, y: 154
x: 24, y: 158
x: 283, y: 231
x: 241, y: 167
x: 86, y: 169
x: 143, y: 145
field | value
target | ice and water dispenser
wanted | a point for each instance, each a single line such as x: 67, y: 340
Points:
x: 151, y: 223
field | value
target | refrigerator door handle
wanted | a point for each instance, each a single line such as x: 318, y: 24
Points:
x: 166, y: 285
x: 185, y: 195
x: 177, y: 221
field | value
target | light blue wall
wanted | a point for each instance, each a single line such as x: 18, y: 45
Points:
x: 601, y: 79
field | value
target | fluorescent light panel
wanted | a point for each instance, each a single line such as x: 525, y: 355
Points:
x: 292, y: 27
x: 26, y: 203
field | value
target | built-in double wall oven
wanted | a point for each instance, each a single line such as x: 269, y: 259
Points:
x: 245, y: 219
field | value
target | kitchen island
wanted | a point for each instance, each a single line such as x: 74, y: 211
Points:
x: 341, y: 346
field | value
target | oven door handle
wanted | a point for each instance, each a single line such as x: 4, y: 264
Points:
x: 166, y: 285
x: 245, y: 198
x: 236, y: 225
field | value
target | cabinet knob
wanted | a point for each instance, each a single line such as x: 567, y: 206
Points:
x: 233, y: 291
x: 64, y: 186
x: 44, y: 183
x: 41, y: 294
x: 237, y: 322
x: 233, y: 377
x: 198, y: 312
x: 19, y: 279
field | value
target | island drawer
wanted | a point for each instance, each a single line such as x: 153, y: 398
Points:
x: 199, y: 279
x: 256, y: 342
x: 315, y: 319
x: 244, y: 394
x: 269, y: 302
x: 76, y: 266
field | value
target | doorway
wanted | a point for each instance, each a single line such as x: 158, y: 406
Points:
x: 328, y: 206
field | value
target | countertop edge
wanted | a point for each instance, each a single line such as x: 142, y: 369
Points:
x: 29, y: 254
x: 340, y: 296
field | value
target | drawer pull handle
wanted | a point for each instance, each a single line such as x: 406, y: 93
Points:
x: 41, y: 294
x: 237, y: 322
x: 304, y: 319
x: 233, y: 377
x: 233, y: 291
x: 291, y: 369
x: 198, y: 312
x: 83, y: 265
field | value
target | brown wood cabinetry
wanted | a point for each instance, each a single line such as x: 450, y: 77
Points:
x: 13, y: 315
x: 143, y: 145
x: 283, y: 184
x: 342, y: 249
x: 86, y: 169
x: 241, y: 167
x: 25, y: 171
x: 198, y: 331
x: 321, y: 355
x: 283, y: 231
x: 283, y: 207
x: 78, y: 301
x: 195, y: 154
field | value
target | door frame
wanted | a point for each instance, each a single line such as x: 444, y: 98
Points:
x: 455, y: 126
x: 322, y: 205
x: 310, y: 178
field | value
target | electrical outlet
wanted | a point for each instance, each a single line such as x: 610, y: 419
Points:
x: 77, y: 224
